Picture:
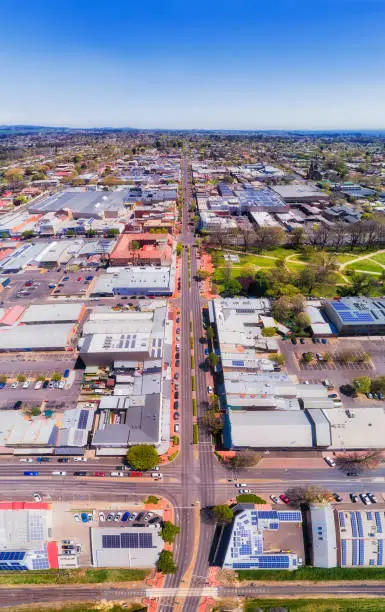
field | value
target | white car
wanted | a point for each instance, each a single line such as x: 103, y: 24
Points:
x: 77, y: 518
x: 38, y: 384
x: 37, y: 497
x: 275, y: 499
x: 209, y: 389
x: 239, y: 485
x: 330, y: 461
x: 26, y: 384
x: 14, y: 385
x: 116, y: 473
x: 27, y: 460
x: 61, y: 384
x: 59, y: 473
x: 102, y: 517
x: 80, y: 459
x: 117, y: 516
x: 133, y: 516
x: 244, y: 490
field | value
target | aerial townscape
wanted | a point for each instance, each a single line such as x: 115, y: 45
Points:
x: 192, y: 311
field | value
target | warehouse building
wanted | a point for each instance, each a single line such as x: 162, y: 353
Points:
x: 301, y: 192
x: 25, y: 534
x: 39, y: 337
x: 259, y: 540
x: 53, y: 314
x: 357, y: 316
x: 79, y: 203
x: 324, y: 542
x: 132, y: 547
x: 136, y: 280
x: 361, y: 537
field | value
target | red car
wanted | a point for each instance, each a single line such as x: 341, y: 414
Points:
x: 79, y: 278
x: 100, y: 474
x: 284, y: 498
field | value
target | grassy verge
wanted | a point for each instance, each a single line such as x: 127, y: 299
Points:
x: 194, y: 403
x: 316, y: 605
x: 193, y: 383
x: 317, y: 574
x: 250, y: 498
x: 78, y: 576
x: 191, y: 342
x: 192, y: 362
x: 173, y: 455
x: 195, y: 434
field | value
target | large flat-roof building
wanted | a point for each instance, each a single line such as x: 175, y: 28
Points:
x: 38, y: 337
x: 301, y: 192
x: 361, y: 535
x: 125, y: 546
x: 78, y: 202
x: 357, y: 316
x: 255, y: 540
x: 136, y: 280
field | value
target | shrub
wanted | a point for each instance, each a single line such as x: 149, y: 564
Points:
x: 151, y: 499
x: 250, y: 498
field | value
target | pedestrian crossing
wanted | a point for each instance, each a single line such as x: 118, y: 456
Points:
x: 182, y: 593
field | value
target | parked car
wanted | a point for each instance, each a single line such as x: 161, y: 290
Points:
x: 102, y: 517
x: 99, y: 474
x: 337, y: 497
x: 80, y: 473
x: 372, y: 498
x: 63, y: 460
x: 244, y: 490
x: 45, y: 384
x: 38, y: 384
x: 176, y: 415
x: 37, y: 497
x: 125, y: 517
x: 31, y: 473
x: 284, y: 498
x: 365, y: 499
x: 59, y: 473
x: 302, y: 341
x: 353, y: 474
x: 26, y: 460
x: 133, y: 516
x: 274, y: 499
x: 14, y: 385
x: 110, y: 517
x: 26, y: 384
x: 116, y: 473
x: 293, y: 340
x: 77, y: 517
x: 90, y: 517
x: 353, y: 498
x: 18, y: 405
x: 176, y: 428
x: 239, y: 485
x: 117, y: 517
x: 66, y: 373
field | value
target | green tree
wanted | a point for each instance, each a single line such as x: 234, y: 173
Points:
x: 302, y: 320
x: 268, y: 332
x: 142, y: 457
x: 113, y: 231
x: 35, y: 411
x: 308, y: 357
x: 135, y: 245
x: 3, y: 378
x: 213, y: 358
x: 56, y: 376
x: 202, y: 274
x: 91, y: 233
x: 231, y: 288
x: 70, y: 233
x: 19, y: 200
x: 378, y: 384
x: 210, y: 334
x: 166, y: 563
x: 309, y: 495
x: 278, y: 358
x: 27, y: 234
x: 223, y: 514
x: 179, y: 249
x: 212, y: 422
x: 169, y: 531
x: 363, y: 384
x: 21, y: 378
x: 359, y: 461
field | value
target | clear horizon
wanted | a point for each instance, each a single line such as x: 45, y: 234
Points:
x: 288, y: 65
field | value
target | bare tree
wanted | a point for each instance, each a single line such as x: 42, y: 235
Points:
x: 309, y: 495
x: 359, y: 462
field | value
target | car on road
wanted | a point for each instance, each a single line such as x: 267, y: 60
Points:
x: 77, y: 517
x: 332, y: 396
x: 26, y: 460
x: 330, y: 461
x: 244, y: 491
x: 80, y: 473
x: 117, y: 474
x: 31, y: 473
x: 239, y: 485
x: 353, y: 498
x: 337, y: 497
x: 102, y: 517
x: 353, y: 474
x: 274, y: 499
x: 37, y: 497
x: 59, y: 473
x: 284, y: 498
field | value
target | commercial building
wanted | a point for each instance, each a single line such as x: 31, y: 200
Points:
x: 25, y: 537
x: 78, y: 203
x: 357, y: 316
x: 38, y: 314
x: 143, y: 249
x: 38, y: 337
x: 257, y: 540
x: 136, y: 280
x: 324, y: 542
x: 361, y: 537
x: 301, y: 192
x: 125, y: 546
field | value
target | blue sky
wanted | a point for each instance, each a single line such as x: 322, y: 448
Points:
x: 246, y: 64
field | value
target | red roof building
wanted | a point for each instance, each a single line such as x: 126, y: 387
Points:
x: 143, y: 249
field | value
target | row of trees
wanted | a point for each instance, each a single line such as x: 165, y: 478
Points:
x: 364, y: 384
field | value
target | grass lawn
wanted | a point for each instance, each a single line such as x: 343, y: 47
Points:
x: 380, y: 258
x: 317, y: 605
x: 365, y: 265
x: 80, y: 576
x: 315, y: 574
x: 296, y: 266
x: 84, y: 607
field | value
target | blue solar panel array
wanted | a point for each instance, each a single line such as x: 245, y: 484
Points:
x: 360, y: 525
x: 11, y: 568
x: 380, y: 552
x: 361, y: 555
x: 341, y: 518
x: 294, y: 517
x: 83, y: 418
x: 128, y: 540
x: 354, y: 524
x: 378, y: 522
x: 239, y: 364
x: 369, y: 516
x: 274, y: 562
x: 268, y: 514
x: 339, y: 306
x: 40, y: 564
x: 355, y: 547
x: 12, y: 556
x: 343, y: 552
x: 352, y: 317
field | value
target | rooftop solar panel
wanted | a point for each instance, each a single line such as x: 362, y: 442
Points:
x: 111, y: 541
x: 83, y: 419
